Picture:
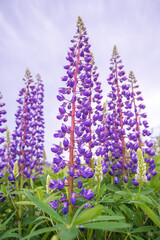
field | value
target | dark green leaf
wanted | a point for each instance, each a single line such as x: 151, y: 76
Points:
x: 150, y: 213
x: 108, y: 218
x: 40, y: 231
x: 108, y: 226
x: 101, y: 192
x: 88, y: 215
x: 10, y: 235
x: 68, y: 234
x: 45, y: 207
x: 7, y: 221
x: 143, y: 229
x: 130, y: 214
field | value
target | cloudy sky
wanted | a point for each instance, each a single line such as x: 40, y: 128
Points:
x: 37, y: 33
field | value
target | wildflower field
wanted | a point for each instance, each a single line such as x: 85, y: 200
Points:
x: 104, y: 182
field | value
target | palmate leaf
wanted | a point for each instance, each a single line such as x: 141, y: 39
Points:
x: 6, y: 222
x: 45, y: 207
x: 77, y: 212
x: 88, y: 215
x: 41, y: 231
x: 150, y: 213
x: 130, y: 214
x: 68, y: 233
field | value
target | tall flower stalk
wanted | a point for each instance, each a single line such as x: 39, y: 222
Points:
x: 28, y: 137
x: 116, y: 119
x: 139, y: 133
x: 83, y: 111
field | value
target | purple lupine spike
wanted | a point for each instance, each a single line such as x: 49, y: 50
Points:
x: 115, y: 119
x: 140, y: 127
x: 79, y: 100
x: 28, y: 137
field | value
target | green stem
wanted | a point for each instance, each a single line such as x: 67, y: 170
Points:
x: 70, y: 213
x: 98, y: 187
x: 20, y: 207
x: 139, y: 189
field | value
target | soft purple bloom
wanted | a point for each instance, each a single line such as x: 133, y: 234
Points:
x: 65, y: 208
x: 73, y: 198
x: 54, y: 204
x: 88, y: 194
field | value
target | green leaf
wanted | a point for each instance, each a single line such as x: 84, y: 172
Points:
x: 112, y: 188
x: 88, y: 214
x: 158, y: 238
x: 52, y: 197
x: 45, y: 237
x: 108, y: 226
x: 40, y: 193
x: 32, y: 183
x: 10, y: 235
x: 77, y: 212
x: 25, y: 203
x: 7, y: 221
x: 40, y: 231
x: 143, y: 229
x: 152, y: 215
x: 45, y: 207
x: 101, y: 192
x: 107, y: 200
x: 130, y: 214
x: 68, y: 234
x: 29, y: 219
x: 17, y: 192
x: 108, y: 210
x: 137, y: 237
x: 109, y: 218
x: 4, y: 190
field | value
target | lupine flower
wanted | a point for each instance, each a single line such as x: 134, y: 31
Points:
x: 116, y: 119
x: 88, y: 194
x: 48, y: 190
x: 141, y: 169
x: 73, y: 198
x: 98, y: 170
x: 79, y: 184
x: 65, y: 208
x: 54, y: 204
x: 80, y: 105
x: 116, y: 180
x: 16, y: 170
x: 140, y: 126
x: 125, y: 123
x: 28, y: 137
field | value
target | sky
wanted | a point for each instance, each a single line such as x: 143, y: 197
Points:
x: 36, y: 34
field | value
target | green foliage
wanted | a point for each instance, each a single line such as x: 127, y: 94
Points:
x: 117, y: 212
